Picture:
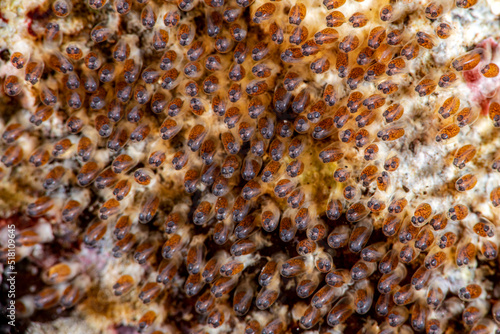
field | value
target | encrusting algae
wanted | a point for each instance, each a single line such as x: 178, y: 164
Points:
x: 251, y: 166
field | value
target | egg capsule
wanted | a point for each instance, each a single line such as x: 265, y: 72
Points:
x: 397, y: 316
x: 341, y: 311
x: 363, y: 297
x: 270, y: 218
x: 264, y: 12
x: 389, y: 281
x: 326, y: 295
x: 384, y: 304
x: 359, y: 236
x: 466, y: 182
x: 395, y: 37
x: 362, y: 269
x: 447, y: 79
x: 391, y: 225
x: 307, y: 286
x: 447, y: 132
x: 13, y: 155
x: 339, y: 237
x: 468, y: 61
x: 443, y: 30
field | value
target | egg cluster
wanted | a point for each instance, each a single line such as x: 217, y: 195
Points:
x: 251, y: 167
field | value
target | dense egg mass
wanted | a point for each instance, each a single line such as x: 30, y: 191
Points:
x: 252, y: 166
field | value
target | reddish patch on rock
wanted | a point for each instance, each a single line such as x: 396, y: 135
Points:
x: 476, y: 82
x: 22, y: 222
x: 37, y: 14
x: 3, y: 18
